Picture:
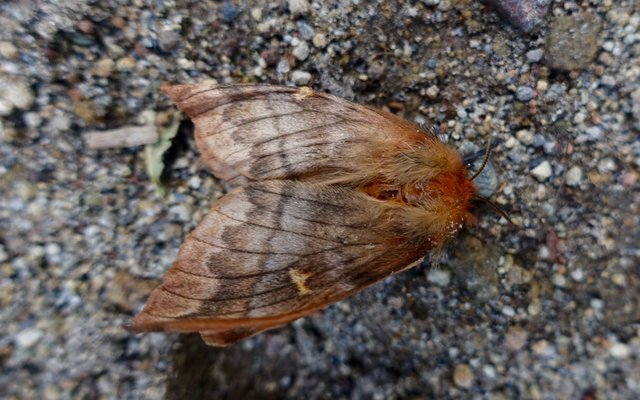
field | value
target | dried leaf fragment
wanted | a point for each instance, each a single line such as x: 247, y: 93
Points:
x: 127, y: 136
x: 154, y: 153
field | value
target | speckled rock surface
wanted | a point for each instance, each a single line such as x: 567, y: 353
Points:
x: 546, y: 309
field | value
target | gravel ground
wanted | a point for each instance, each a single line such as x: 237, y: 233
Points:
x: 543, y: 310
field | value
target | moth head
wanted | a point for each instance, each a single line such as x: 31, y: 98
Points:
x: 442, y: 201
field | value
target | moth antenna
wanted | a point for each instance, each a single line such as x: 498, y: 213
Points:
x: 485, y: 159
x: 495, y: 208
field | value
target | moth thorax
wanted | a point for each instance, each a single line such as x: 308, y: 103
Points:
x: 438, y: 206
x: 450, y: 188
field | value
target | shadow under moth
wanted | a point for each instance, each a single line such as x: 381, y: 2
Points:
x: 327, y: 197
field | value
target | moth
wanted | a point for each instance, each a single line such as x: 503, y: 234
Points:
x: 326, y: 198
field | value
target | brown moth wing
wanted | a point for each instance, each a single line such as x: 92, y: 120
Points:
x: 250, y: 132
x: 270, y: 252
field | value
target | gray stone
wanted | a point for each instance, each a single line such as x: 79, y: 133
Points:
x: 523, y: 14
x: 525, y: 93
x: 572, y: 41
x: 535, y: 55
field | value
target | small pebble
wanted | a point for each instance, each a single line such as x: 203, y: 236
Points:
x: 439, y: 277
x: 516, y: 338
x: 574, y: 176
x: 534, y: 309
x: 319, y: 40
x: 126, y: 64
x: 525, y: 136
x: 542, y: 85
x: 542, y: 172
x: 577, y: 275
x: 635, y: 108
x: 535, y: 55
x: 489, y: 371
x: 525, y: 93
x: 301, y: 51
x: 28, y: 338
x: 298, y: 7
x: 542, y: 348
x: 306, y: 30
x: 168, y: 40
x: 559, y: 280
x: 103, y: 68
x: 256, y: 14
x: 181, y: 212
x: 8, y: 50
x: 619, y: 279
x: 487, y: 182
x: 463, y: 376
x: 606, y: 165
x: 432, y: 91
x: 508, y: 311
x: 300, y: 78
x: 271, y: 57
x: 619, y: 350
x: 16, y: 93
x: 229, y: 11
x: 195, y: 182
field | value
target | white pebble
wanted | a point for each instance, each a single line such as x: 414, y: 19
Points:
x: 578, y: 275
x: 301, y: 51
x: 16, y: 92
x: 440, y: 277
x: 432, y: 91
x: 52, y: 249
x: 525, y: 136
x: 574, y: 176
x: 180, y: 212
x: 579, y: 118
x: 508, y: 311
x: 28, y: 338
x: 606, y: 165
x: 300, y: 78
x: 256, y: 14
x: 619, y: 350
x: 542, y: 172
x: 195, y: 182
x: 559, y: 280
x: 489, y: 371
